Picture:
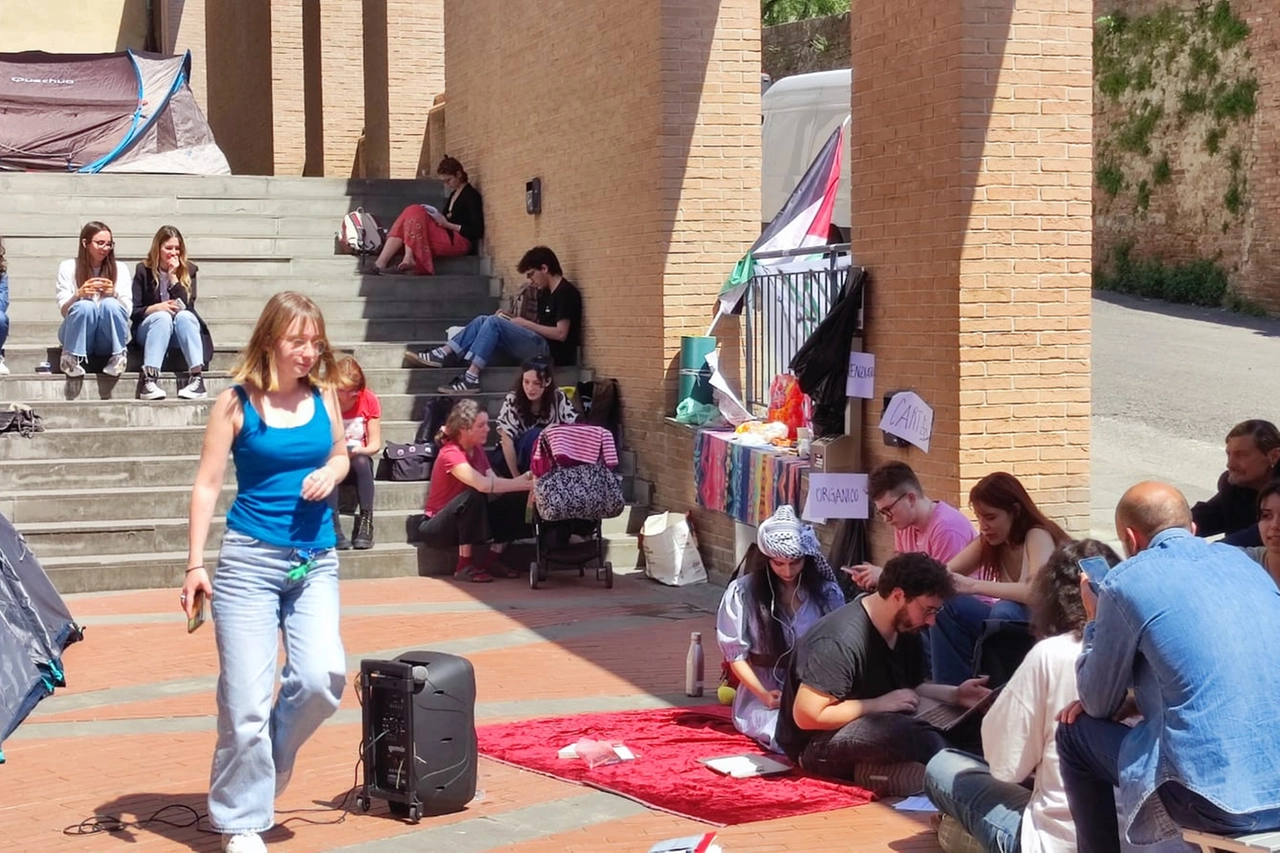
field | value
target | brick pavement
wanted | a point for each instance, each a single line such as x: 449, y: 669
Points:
x: 134, y: 730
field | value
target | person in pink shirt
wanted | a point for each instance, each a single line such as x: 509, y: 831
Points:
x: 919, y: 524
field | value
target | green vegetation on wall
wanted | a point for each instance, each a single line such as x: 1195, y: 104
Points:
x: 1160, y: 74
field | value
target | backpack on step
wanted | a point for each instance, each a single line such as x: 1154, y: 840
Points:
x: 360, y: 233
x: 410, y: 462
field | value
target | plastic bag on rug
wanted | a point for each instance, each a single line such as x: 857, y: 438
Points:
x: 671, y: 550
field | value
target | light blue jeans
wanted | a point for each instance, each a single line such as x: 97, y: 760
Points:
x: 489, y: 333
x: 95, y: 328
x: 160, y: 329
x: 254, y: 601
x: 962, y: 786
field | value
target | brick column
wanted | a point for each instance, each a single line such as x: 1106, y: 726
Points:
x: 643, y: 122
x: 971, y: 205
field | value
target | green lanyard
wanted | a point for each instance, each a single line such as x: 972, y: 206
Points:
x: 306, y: 562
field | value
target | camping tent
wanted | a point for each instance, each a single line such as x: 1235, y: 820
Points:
x: 110, y: 112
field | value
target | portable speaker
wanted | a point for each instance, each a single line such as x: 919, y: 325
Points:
x: 419, y: 738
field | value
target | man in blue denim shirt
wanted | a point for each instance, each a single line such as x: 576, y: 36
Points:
x: 1194, y: 629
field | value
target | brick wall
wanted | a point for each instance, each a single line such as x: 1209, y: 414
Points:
x: 1187, y: 218
x: 971, y: 193
x: 642, y: 121
x: 291, y: 86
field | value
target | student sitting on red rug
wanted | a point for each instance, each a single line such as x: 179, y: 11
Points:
x: 462, y: 510
x: 786, y: 586
x: 860, y: 668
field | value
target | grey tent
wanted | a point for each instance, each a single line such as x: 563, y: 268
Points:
x: 110, y: 112
x: 35, y: 629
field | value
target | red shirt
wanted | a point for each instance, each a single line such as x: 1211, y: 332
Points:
x: 355, y: 421
x: 444, y: 486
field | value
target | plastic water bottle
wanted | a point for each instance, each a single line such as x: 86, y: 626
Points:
x: 693, y: 666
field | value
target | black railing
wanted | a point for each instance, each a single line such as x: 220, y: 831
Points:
x: 789, y: 294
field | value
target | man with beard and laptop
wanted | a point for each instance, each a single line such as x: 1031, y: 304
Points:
x: 857, y: 679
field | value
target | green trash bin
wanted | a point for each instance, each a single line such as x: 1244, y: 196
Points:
x: 695, y: 375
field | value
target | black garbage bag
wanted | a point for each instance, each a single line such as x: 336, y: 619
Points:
x: 822, y: 364
x: 35, y: 629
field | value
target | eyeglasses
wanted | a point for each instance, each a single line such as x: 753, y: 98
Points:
x: 104, y: 244
x: 887, y: 512
x: 928, y: 611
x: 297, y: 344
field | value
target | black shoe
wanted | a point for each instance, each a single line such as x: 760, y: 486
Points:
x: 344, y: 544
x: 425, y: 358
x: 362, y: 539
x: 464, y: 384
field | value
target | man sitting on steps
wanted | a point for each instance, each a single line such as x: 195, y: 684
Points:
x: 556, y: 332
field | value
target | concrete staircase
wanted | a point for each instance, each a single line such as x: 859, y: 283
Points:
x: 102, y: 494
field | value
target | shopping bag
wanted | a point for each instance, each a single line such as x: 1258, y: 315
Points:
x: 671, y: 550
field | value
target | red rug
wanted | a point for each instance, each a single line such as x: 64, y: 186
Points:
x: 666, y: 774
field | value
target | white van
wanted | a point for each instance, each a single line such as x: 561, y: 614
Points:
x: 799, y: 113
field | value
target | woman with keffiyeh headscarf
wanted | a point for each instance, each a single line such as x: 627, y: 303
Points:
x: 785, y: 587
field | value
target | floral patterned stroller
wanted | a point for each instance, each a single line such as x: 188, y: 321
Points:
x: 576, y: 489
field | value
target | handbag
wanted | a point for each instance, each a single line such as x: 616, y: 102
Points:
x: 588, y: 491
x: 406, y: 462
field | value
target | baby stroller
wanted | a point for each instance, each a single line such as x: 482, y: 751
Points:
x: 576, y: 489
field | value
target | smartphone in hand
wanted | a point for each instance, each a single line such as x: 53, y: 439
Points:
x: 198, y: 614
x: 1095, y: 569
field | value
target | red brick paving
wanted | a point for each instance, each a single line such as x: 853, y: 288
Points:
x: 51, y: 782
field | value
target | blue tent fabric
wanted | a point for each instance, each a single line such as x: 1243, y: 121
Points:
x: 35, y: 629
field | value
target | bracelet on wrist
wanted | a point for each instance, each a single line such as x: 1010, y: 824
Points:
x: 193, y: 568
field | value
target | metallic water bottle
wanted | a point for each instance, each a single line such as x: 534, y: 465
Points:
x: 693, y: 666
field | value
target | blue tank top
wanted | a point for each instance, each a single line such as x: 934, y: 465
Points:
x: 271, y: 463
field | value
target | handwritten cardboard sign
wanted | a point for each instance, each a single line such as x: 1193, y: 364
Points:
x: 909, y: 418
x: 836, y: 496
x: 862, y: 375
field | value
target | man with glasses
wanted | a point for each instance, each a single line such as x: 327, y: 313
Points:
x: 858, y: 674
x: 919, y: 524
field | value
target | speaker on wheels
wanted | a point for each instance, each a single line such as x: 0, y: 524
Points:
x: 419, y: 733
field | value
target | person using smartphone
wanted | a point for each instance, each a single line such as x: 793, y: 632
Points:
x: 987, y: 798
x: 277, y: 572
x: 362, y: 422
x: 164, y: 316
x: 95, y: 304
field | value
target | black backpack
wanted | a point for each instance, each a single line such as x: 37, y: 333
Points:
x: 601, y: 404
x: 410, y: 462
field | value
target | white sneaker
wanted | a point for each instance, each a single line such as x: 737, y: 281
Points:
x: 246, y: 842
x: 116, y: 364
x: 70, y: 366
x: 194, y: 390
x: 4, y: 368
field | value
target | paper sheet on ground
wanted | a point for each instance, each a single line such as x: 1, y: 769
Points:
x: 862, y: 375
x: 728, y: 403
x: 909, y: 418
x: 918, y: 803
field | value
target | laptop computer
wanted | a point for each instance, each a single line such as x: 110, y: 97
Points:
x: 945, y: 716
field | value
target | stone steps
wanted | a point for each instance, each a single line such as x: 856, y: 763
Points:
x: 154, y: 535
x: 102, y: 495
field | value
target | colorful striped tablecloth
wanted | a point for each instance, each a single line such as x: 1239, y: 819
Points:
x: 746, y: 483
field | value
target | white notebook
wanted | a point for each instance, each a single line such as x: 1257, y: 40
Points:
x: 746, y: 766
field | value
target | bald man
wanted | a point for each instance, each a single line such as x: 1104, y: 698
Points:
x: 1193, y: 628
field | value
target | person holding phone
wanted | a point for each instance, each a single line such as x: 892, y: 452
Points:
x: 95, y: 301
x: 277, y: 568
x: 164, y: 315
x: 362, y: 423
x: 555, y: 333
x: 988, y: 798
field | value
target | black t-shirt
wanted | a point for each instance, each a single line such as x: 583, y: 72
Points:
x: 563, y: 303
x: 843, y: 655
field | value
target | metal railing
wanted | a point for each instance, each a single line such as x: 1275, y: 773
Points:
x: 789, y: 294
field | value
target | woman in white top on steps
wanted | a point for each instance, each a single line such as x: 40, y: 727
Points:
x: 95, y: 298
x: 988, y: 798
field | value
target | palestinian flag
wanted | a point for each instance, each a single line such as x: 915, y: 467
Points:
x: 803, y: 221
